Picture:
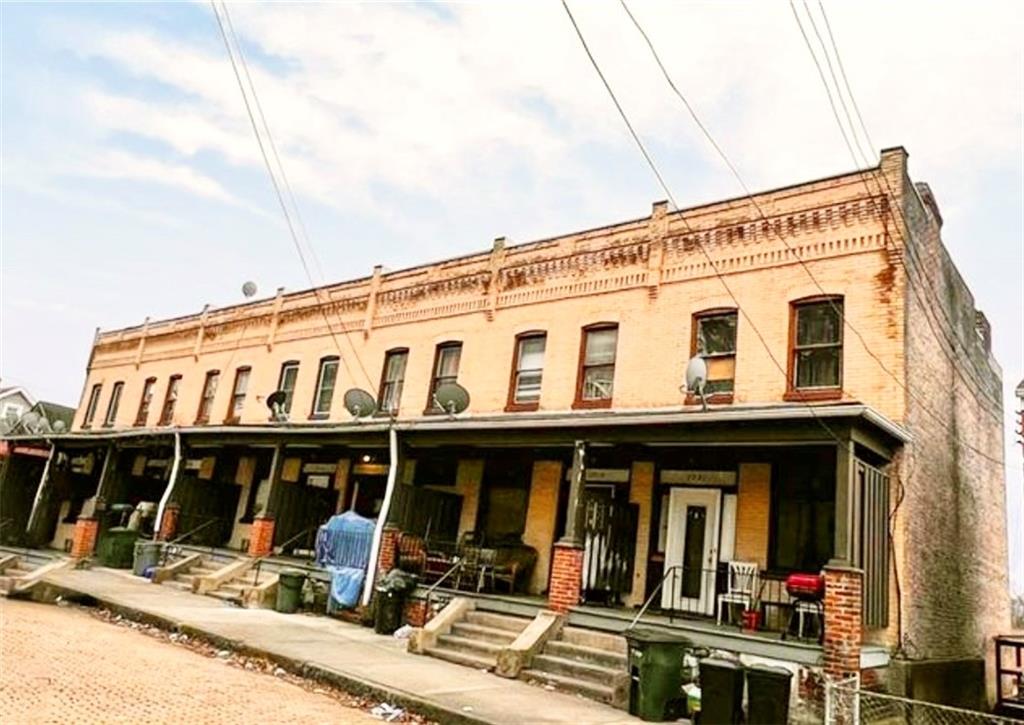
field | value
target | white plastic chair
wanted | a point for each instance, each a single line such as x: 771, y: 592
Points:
x: 741, y: 586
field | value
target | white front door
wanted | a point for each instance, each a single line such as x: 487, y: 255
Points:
x: 691, y: 552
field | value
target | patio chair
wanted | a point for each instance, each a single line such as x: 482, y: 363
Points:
x: 740, y: 587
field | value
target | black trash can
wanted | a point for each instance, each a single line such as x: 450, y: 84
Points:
x: 387, y: 616
x: 289, y: 590
x: 768, y: 694
x: 656, y: 673
x: 721, y: 691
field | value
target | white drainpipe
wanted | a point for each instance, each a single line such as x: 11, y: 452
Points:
x: 43, y: 480
x: 170, y: 486
x: 382, y: 517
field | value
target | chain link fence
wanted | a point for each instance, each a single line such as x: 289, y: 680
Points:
x: 847, y: 704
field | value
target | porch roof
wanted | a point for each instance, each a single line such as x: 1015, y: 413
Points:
x: 551, y: 425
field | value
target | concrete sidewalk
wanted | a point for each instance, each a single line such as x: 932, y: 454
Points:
x: 351, y: 656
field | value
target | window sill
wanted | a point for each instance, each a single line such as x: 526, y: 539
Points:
x: 201, y: 421
x: 522, y: 407
x: 814, y: 394
x: 713, y: 399
x: 319, y: 416
x: 589, y: 404
x: 232, y: 420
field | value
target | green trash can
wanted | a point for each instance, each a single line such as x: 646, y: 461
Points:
x: 768, y: 694
x: 655, y: 662
x: 116, y: 548
x: 289, y: 590
x: 721, y: 691
x: 147, y: 555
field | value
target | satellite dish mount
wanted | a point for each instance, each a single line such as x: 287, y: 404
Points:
x: 452, y: 398
x: 359, y: 403
x: 696, y: 379
x: 276, y: 402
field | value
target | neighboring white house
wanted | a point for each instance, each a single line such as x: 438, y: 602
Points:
x: 16, y: 403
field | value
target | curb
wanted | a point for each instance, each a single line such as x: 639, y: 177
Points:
x: 350, y: 683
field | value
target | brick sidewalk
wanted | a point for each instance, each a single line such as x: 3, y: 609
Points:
x: 59, y: 665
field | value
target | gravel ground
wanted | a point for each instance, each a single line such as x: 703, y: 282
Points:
x: 62, y: 664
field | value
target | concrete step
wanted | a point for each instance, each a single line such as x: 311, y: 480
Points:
x: 594, y: 639
x: 592, y: 690
x: 581, y: 653
x: 235, y: 587
x: 17, y: 571
x: 226, y: 596
x: 475, y: 647
x: 178, y: 584
x: 461, y: 658
x: 486, y: 634
x: 497, y: 621
x: 576, y: 669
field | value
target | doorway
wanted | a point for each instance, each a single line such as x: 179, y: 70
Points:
x: 692, y: 548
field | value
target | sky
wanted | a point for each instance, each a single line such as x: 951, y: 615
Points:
x: 132, y: 184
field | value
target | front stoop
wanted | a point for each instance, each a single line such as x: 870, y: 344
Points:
x: 588, y: 663
x: 478, y: 639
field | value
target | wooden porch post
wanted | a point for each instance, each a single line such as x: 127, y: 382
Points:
x: 847, y: 531
x: 574, y: 514
x: 566, y: 586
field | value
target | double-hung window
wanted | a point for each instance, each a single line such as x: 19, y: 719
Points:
x: 286, y: 383
x: 816, y: 359
x: 325, y: 382
x: 597, y: 366
x: 94, y: 401
x: 145, y: 401
x: 238, y: 391
x: 527, y: 371
x: 206, y: 397
x: 170, y: 400
x: 714, y: 339
x: 391, y: 381
x: 114, y: 404
x: 446, y: 370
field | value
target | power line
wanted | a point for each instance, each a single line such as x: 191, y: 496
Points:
x: 846, y: 81
x: 672, y: 201
x: 278, y: 192
x: 761, y: 213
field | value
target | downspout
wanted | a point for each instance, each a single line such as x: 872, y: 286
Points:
x: 43, y: 480
x: 382, y: 517
x: 170, y: 486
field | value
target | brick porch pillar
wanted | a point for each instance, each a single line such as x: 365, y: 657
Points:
x: 566, y: 584
x: 843, y: 628
x: 388, y: 555
x: 169, y: 523
x: 83, y: 540
x: 261, y: 537
x: 415, y: 613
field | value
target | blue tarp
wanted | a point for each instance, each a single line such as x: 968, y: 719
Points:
x: 343, y: 547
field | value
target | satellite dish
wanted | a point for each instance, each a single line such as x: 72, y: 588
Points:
x: 30, y: 421
x: 359, y: 403
x: 276, y: 401
x: 249, y: 288
x: 59, y: 426
x: 697, y: 377
x: 452, y: 398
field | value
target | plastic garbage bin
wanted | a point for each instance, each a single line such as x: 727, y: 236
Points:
x: 116, y: 548
x: 289, y: 590
x: 721, y: 691
x: 656, y: 673
x: 147, y: 555
x: 387, y: 615
x: 768, y: 694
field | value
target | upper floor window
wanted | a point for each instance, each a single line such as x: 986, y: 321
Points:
x: 446, y: 370
x: 527, y: 371
x: 597, y: 366
x: 286, y: 383
x: 816, y: 358
x: 238, y: 393
x: 114, y: 404
x: 391, y: 381
x: 325, y: 382
x: 714, y: 339
x: 94, y: 401
x: 145, y: 401
x: 206, y: 397
x: 170, y: 400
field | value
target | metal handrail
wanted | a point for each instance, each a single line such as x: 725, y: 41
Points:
x: 201, y: 526
x: 458, y: 564
x: 259, y: 559
x: 670, y: 571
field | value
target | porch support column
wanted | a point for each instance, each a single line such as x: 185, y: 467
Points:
x: 37, y: 502
x: 261, y: 535
x: 106, y: 474
x: 846, y: 535
x: 567, y: 563
x: 172, y: 481
x: 274, y: 492
x: 841, y: 644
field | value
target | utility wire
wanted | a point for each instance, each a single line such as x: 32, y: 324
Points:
x: 760, y: 211
x: 280, y: 195
x: 846, y: 82
x: 675, y: 206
